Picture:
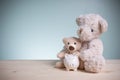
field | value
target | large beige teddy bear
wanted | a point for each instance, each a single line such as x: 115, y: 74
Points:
x: 72, y: 47
x: 91, y: 26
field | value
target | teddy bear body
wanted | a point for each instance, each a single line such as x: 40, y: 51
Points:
x: 91, y: 26
x: 71, y: 62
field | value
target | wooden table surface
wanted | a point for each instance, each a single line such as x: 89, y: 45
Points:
x: 44, y: 70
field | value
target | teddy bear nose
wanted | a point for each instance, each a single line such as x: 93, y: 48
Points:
x: 71, y: 48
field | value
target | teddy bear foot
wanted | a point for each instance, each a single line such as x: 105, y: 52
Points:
x: 67, y: 69
x: 59, y: 65
x: 95, y: 64
x: 75, y: 70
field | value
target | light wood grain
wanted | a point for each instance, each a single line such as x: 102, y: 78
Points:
x: 44, y: 70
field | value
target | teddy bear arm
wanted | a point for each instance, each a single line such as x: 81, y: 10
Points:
x: 77, y: 53
x: 95, y: 48
x: 61, y: 54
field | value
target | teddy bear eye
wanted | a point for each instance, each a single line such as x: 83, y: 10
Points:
x: 74, y: 43
x: 92, y: 30
x: 68, y: 43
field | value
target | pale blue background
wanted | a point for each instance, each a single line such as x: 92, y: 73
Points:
x: 33, y: 29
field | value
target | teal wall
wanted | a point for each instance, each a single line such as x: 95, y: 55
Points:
x: 34, y: 29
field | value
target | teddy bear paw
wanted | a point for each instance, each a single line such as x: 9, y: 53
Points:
x: 94, y: 64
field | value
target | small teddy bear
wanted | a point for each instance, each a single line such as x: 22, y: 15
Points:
x: 91, y: 27
x: 69, y: 55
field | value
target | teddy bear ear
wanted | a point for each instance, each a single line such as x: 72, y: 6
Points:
x: 77, y: 39
x: 103, y: 25
x: 64, y: 40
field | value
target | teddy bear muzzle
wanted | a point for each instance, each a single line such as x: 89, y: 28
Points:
x: 71, y: 48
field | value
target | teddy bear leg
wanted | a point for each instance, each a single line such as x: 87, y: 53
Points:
x: 94, y: 64
x: 75, y: 69
x: 81, y: 66
x: 59, y: 65
x: 67, y: 69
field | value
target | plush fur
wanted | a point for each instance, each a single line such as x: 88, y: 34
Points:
x: 72, y: 46
x: 91, y: 26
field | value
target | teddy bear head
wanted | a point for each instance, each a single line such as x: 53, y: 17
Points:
x: 72, y: 44
x: 91, y: 26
